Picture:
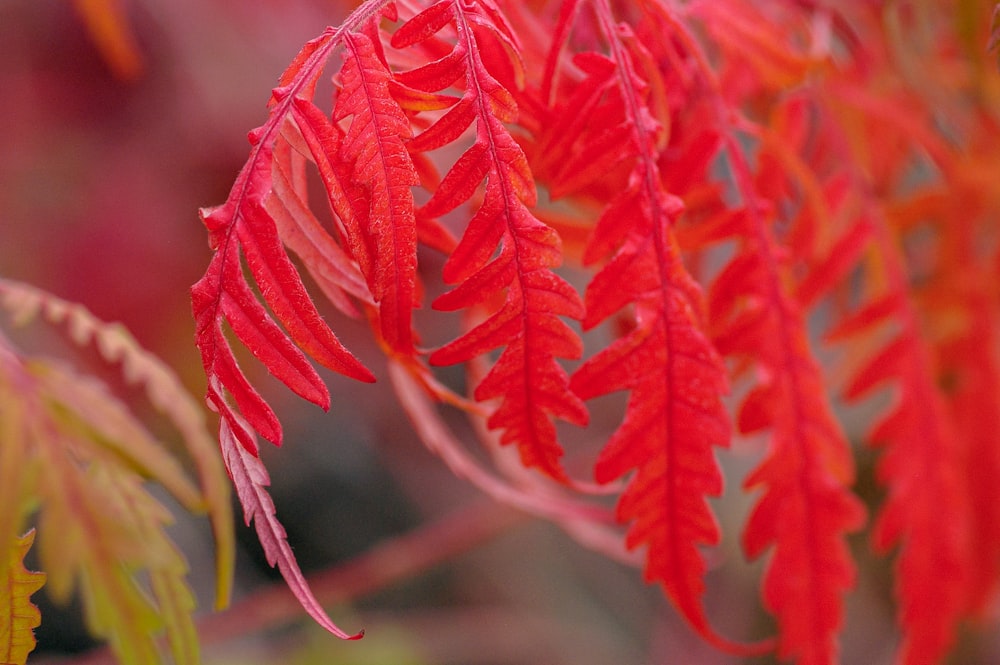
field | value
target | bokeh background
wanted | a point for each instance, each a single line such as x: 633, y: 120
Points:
x: 103, y: 166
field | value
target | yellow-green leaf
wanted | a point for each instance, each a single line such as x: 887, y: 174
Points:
x: 18, y: 616
x: 102, y: 530
x: 78, y: 400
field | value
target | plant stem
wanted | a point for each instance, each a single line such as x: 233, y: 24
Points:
x: 390, y: 562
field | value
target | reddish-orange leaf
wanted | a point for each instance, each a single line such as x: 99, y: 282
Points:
x: 108, y: 26
x: 807, y: 508
x: 920, y: 467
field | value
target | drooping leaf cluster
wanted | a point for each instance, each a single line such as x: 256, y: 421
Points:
x: 741, y: 191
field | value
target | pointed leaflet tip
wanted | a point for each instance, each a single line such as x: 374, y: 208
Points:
x: 251, y: 480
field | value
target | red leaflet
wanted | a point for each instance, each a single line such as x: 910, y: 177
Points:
x: 526, y: 378
x: 384, y: 233
x: 762, y: 150
x: 920, y: 467
x: 673, y: 418
x: 243, y: 225
x: 807, y: 508
x: 674, y: 415
x: 264, y: 212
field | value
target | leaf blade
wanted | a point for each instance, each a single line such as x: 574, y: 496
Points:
x: 251, y: 479
x: 18, y: 615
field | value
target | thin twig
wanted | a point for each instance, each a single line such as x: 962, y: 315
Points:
x: 397, y: 559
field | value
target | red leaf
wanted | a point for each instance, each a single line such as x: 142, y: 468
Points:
x: 242, y: 223
x: 374, y: 145
x: 920, y: 468
x: 527, y: 379
x: 807, y: 508
x: 674, y: 415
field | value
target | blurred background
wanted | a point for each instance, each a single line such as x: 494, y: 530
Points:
x: 104, y: 162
